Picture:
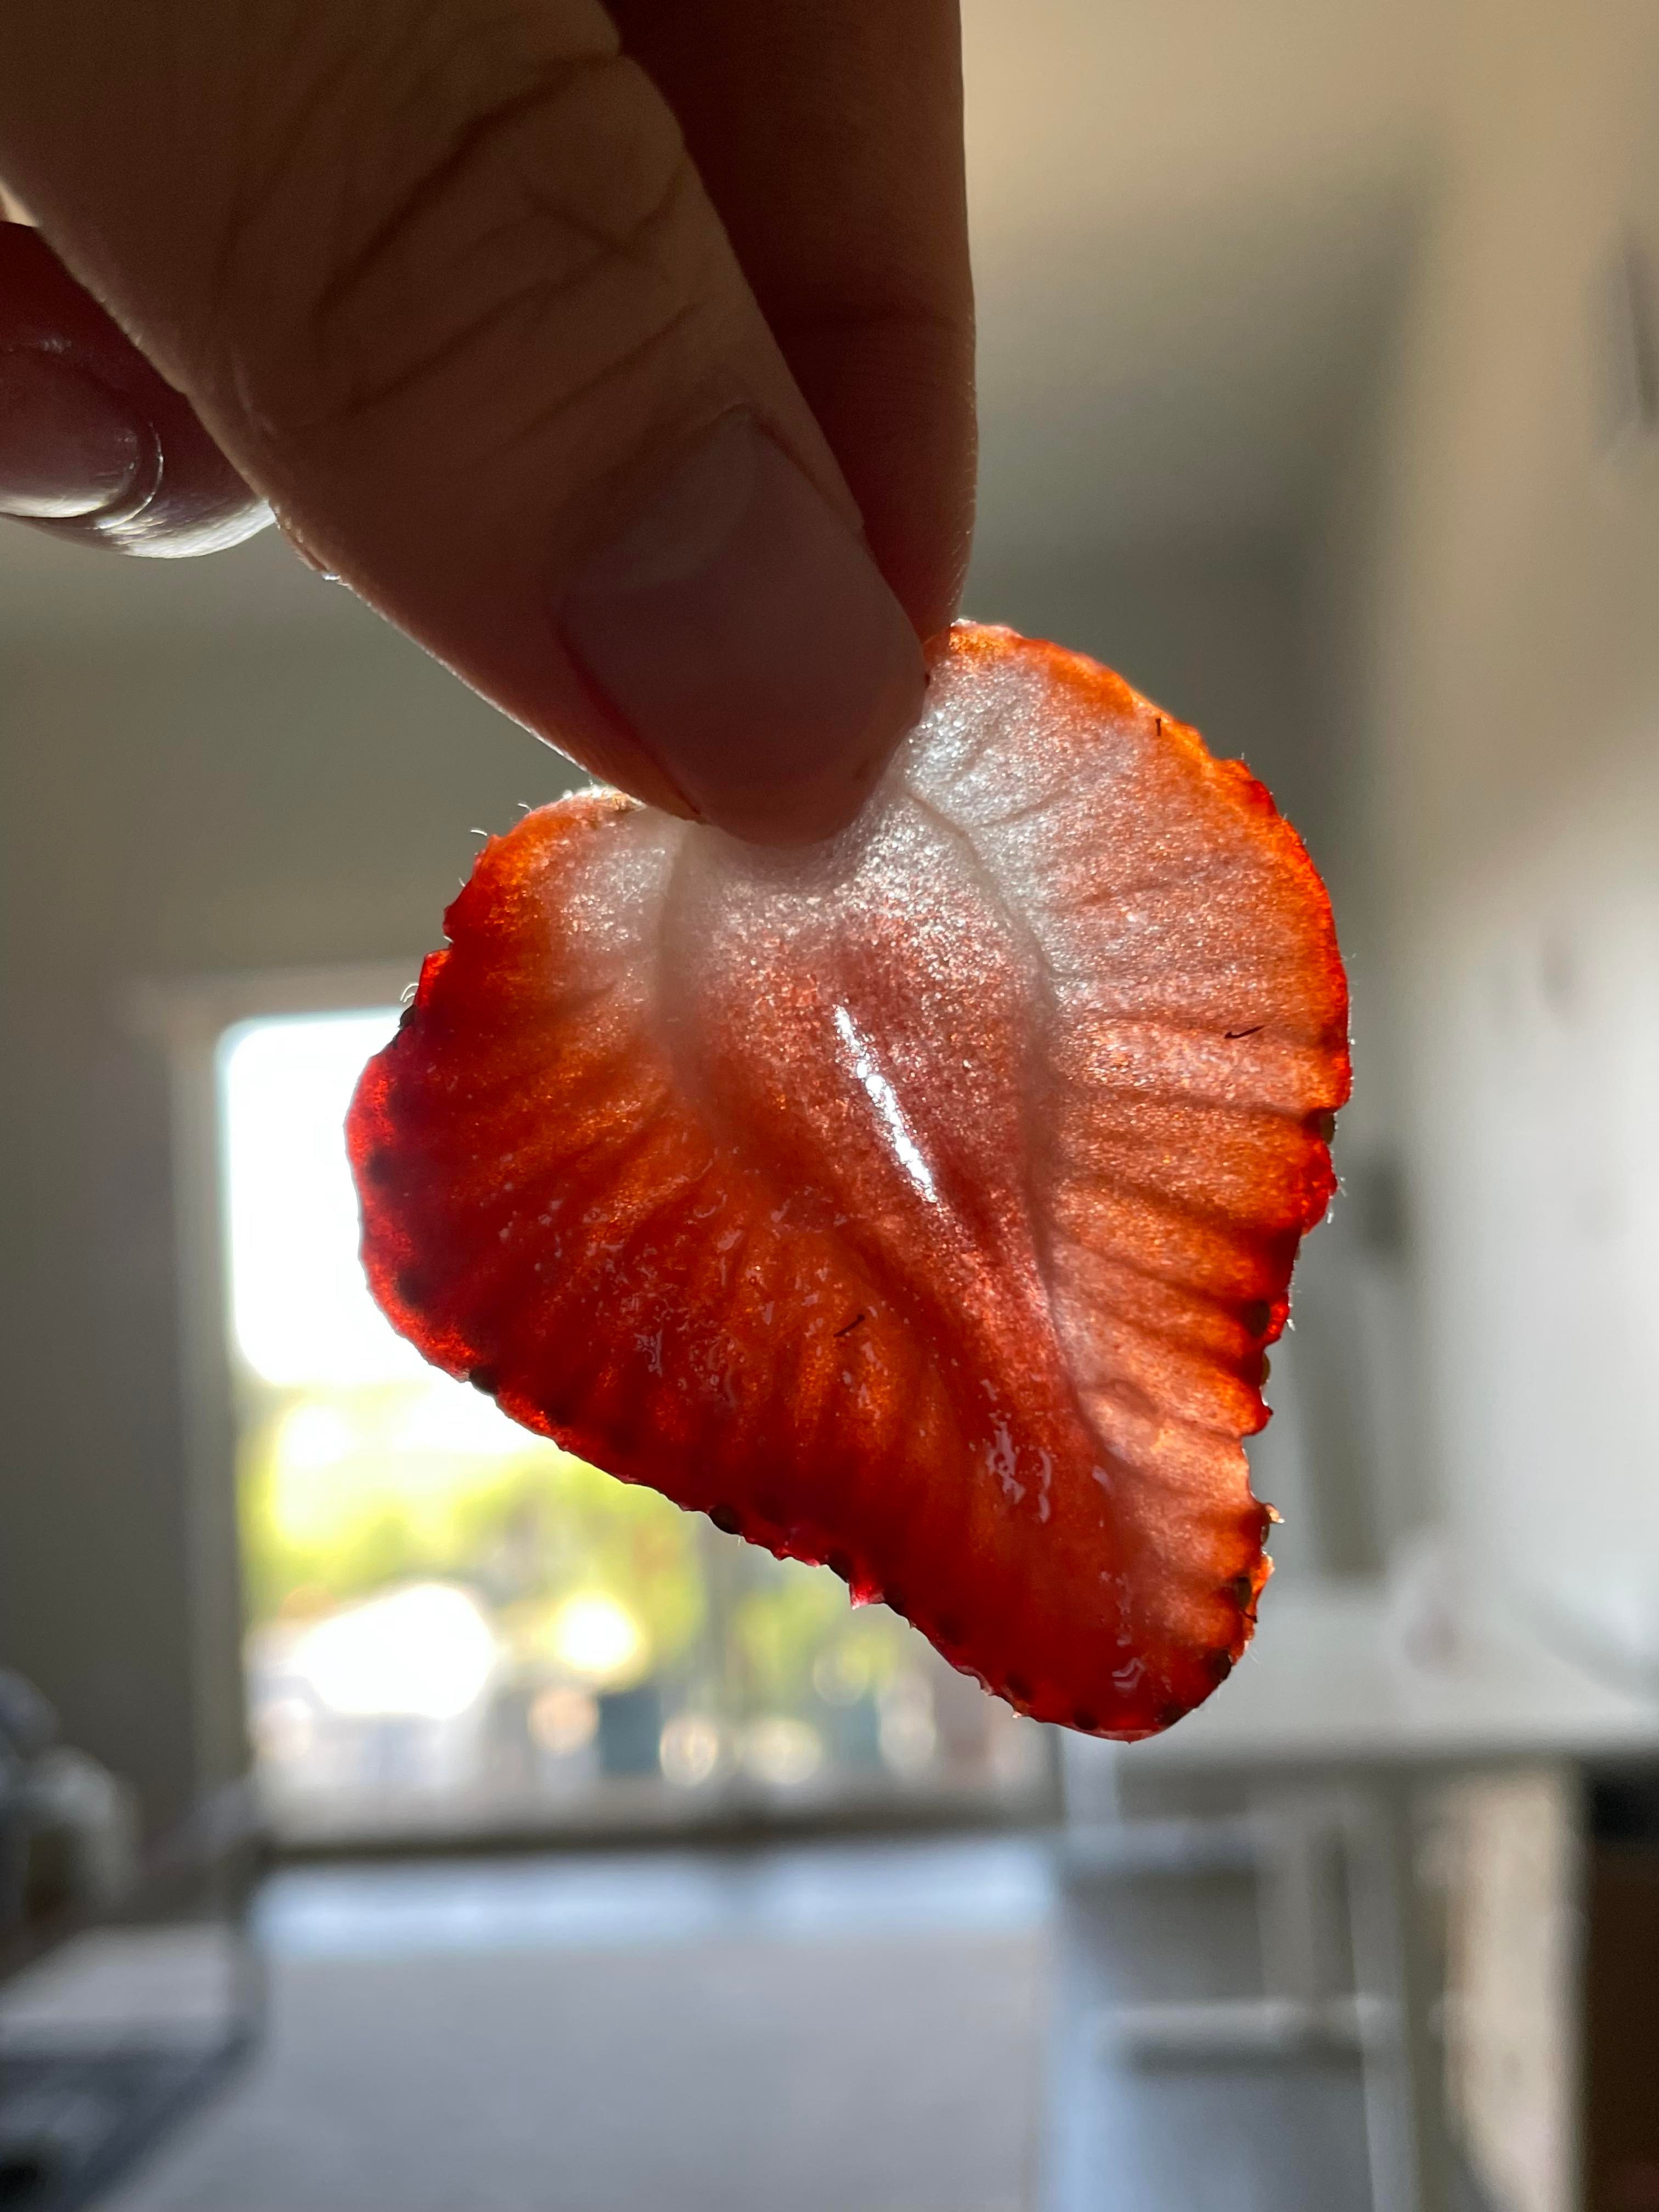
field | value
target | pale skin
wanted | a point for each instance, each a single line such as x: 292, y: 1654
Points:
x: 457, y: 285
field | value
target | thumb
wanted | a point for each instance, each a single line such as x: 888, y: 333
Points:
x: 444, y: 285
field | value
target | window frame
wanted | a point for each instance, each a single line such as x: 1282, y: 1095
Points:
x: 186, y: 1019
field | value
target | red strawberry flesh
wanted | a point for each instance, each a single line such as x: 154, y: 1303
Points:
x: 921, y: 1203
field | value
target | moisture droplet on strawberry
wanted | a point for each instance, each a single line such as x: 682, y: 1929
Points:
x: 920, y: 1203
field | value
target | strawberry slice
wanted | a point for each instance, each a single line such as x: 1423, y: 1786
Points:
x: 920, y: 1203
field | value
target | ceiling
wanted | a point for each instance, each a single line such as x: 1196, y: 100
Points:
x: 1187, y: 217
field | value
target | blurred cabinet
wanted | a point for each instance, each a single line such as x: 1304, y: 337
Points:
x: 1511, y: 1868
x: 1552, y: 2014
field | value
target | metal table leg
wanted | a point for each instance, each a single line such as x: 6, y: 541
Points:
x: 1295, y: 1837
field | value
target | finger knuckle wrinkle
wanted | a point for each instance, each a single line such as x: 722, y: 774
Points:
x: 550, y: 215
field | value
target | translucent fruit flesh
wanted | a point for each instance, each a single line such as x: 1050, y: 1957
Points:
x: 921, y: 1203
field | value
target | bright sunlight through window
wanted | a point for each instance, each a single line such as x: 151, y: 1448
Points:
x: 299, y: 1307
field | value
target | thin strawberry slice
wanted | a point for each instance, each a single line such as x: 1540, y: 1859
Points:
x: 920, y: 1203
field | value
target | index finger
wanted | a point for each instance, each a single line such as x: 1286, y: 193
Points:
x: 829, y: 135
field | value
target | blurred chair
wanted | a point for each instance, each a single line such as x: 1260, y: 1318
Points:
x: 127, y: 1986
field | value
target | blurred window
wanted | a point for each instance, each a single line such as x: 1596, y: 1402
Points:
x: 456, y: 1628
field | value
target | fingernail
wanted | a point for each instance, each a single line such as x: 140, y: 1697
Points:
x: 68, y: 446
x: 742, y: 633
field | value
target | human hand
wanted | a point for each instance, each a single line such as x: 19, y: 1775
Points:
x: 577, y: 344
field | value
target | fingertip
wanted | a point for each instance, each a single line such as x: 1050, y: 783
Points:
x: 744, y: 636
x: 68, y: 448
x: 95, y: 444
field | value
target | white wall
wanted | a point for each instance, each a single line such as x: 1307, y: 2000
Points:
x: 1492, y: 621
